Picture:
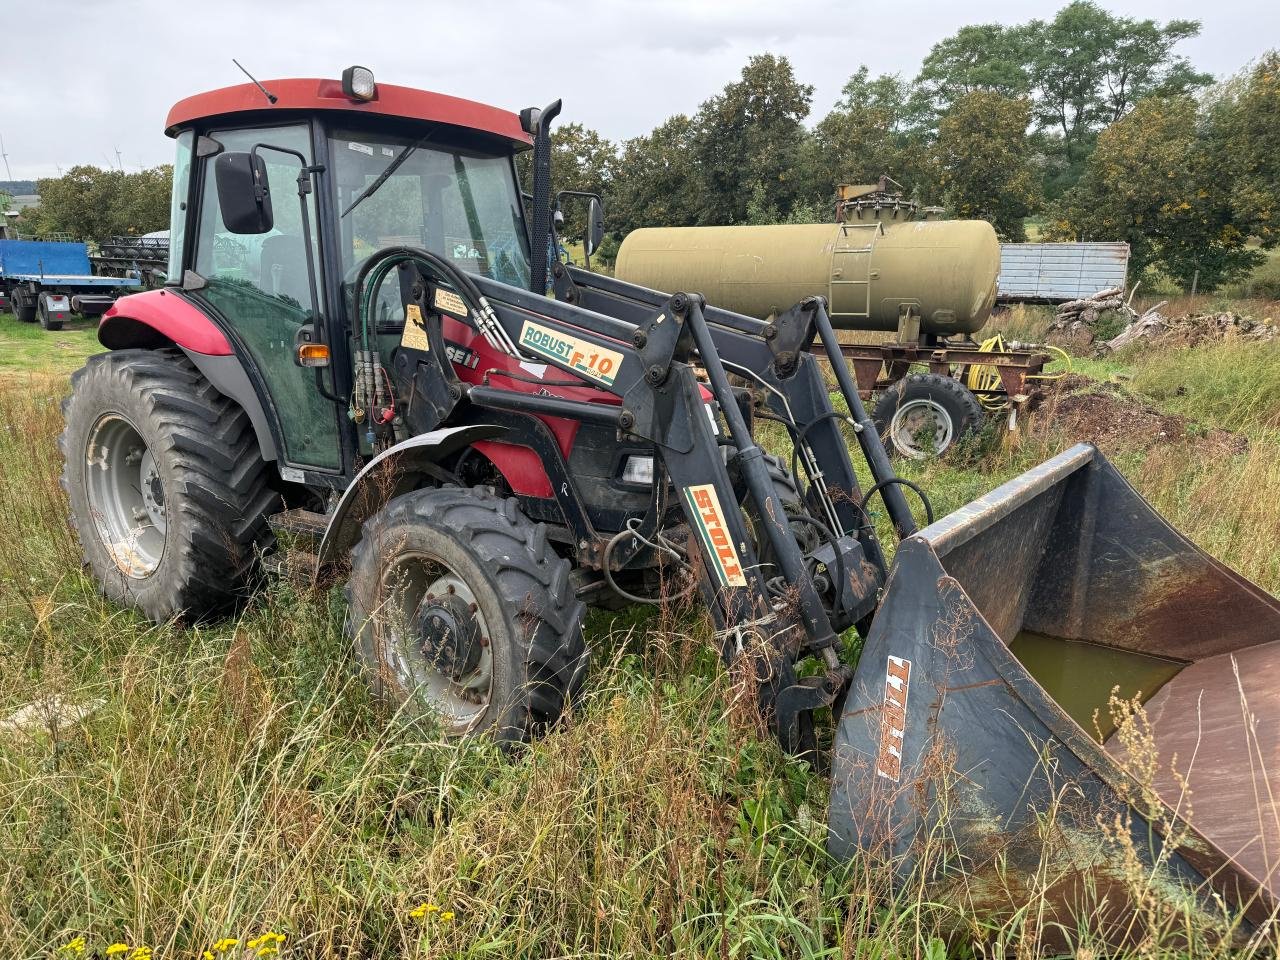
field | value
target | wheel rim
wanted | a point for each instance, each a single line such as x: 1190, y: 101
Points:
x: 420, y: 589
x: 126, y: 496
x: 916, y: 422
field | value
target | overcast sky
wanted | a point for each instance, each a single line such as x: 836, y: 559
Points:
x: 83, y: 79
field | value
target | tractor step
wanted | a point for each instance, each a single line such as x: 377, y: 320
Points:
x: 299, y: 523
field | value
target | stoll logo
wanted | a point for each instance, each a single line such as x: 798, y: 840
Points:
x: 582, y: 356
x: 893, y: 719
x: 710, y: 522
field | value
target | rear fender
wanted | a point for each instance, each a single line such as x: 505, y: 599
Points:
x: 161, y: 318
x: 399, y: 470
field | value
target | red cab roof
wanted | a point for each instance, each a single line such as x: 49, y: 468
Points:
x: 313, y: 95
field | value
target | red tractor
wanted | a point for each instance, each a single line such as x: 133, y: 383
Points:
x: 489, y: 457
x: 356, y: 341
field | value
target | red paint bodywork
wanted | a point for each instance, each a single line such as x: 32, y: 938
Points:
x: 311, y: 95
x: 169, y: 315
x: 521, y: 466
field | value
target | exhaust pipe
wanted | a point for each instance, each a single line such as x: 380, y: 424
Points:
x: 981, y: 701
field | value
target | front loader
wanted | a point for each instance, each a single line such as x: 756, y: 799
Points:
x: 488, y: 459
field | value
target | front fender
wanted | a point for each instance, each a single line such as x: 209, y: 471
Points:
x: 390, y: 474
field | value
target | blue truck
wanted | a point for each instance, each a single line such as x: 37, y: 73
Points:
x: 49, y: 280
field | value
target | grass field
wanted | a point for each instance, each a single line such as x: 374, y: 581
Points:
x: 235, y: 780
x: 28, y: 348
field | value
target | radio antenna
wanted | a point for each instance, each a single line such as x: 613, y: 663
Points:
x: 271, y: 97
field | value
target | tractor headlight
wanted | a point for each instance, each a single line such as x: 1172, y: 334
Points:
x: 357, y: 83
x: 638, y: 470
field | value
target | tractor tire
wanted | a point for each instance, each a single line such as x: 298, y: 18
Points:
x: 905, y: 412
x: 24, y: 308
x: 42, y: 309
x: 510, y: 657
x: 168, y: 492
x: 787, y: 490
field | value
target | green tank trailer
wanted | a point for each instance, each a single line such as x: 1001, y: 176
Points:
x: 884, y: 265
x: 883, y: 261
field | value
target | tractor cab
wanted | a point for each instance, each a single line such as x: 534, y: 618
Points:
x: 282, y: 191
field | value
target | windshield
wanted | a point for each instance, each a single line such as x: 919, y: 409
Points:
x: 454, y: 202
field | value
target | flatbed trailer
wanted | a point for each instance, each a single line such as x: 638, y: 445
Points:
x: 50, y: 280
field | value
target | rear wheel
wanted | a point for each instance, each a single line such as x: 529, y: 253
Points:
x: 924, y: 414
x: 168, y: 493
x: 460, y: 609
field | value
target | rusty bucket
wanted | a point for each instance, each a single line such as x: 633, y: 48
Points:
x: 978, y: 740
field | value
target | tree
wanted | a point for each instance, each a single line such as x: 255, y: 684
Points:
x: 1084, y: 69
x: 750, y: 135
x: 984, y: 161
x: 1156, y: 181
x: 1245, y: 126
x: 92, y: 204
x: 1089, y: 68
x: 987, y: 56
x: 581, y: 159
x: 656, y: 182
x: 874, y: 129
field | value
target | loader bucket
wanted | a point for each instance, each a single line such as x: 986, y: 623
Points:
x: 976, y: 742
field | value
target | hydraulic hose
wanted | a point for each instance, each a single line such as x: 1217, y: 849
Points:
x: 889, y: 482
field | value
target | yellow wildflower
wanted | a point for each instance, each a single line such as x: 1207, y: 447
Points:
x: 446, y: 916
x: 117, y: 948
x: 75, y: 946
x: 225, y: 944
x: 206, y: 956
x: 267, y: 944
x: 422, y: 909
x: 140, y: 953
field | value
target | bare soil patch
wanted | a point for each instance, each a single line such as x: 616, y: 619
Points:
x: 1107, y: 414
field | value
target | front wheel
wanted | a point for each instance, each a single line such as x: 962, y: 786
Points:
x: 924, y: 414
x: 460, y: 609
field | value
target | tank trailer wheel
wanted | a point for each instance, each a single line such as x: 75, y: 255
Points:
x: 460, y: 609
x: 924, y: 414
x: 169, y: 496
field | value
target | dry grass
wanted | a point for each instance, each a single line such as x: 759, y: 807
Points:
x: 236, y: 779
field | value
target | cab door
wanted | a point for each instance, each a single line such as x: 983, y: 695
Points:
x: 258, y: 284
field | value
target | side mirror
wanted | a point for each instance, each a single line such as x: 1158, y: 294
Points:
x: 243, y: 197
x: 595, y: 226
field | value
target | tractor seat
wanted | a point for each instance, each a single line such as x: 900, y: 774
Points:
x: 284, y: 269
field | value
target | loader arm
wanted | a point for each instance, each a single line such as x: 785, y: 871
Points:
x: 777, y: 354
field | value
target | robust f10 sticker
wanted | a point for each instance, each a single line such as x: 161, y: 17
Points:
x: 597, y: 363
x: 710, y: 523
x: 893, y: 718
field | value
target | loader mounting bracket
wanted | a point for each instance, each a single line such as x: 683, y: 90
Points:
x: 790, y: 333
x: 663, y: 339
